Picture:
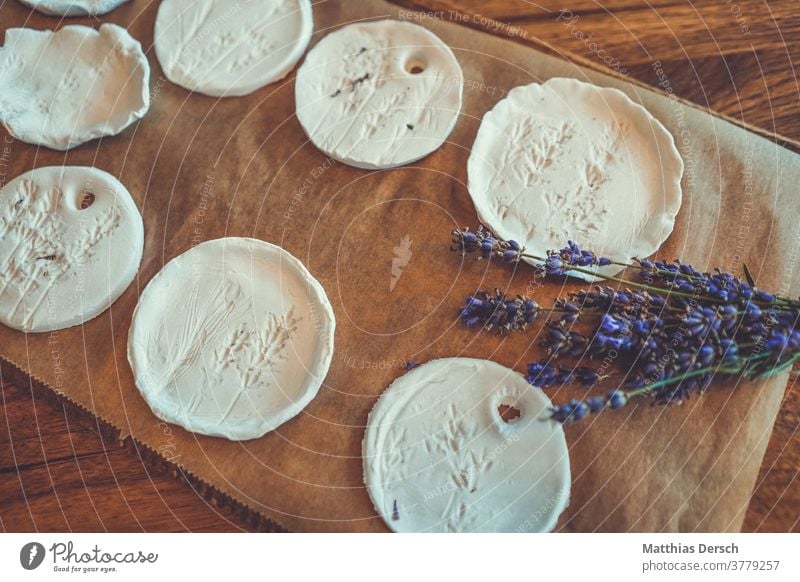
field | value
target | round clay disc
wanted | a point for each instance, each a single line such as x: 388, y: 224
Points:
x: 231, y: 339
x: 73, y: 7
x: 71, y: 241
x: 61, y: 89
x: 439, y: 457
x: 567, y: 160
x: 379, y: 94
x: 226, y: 49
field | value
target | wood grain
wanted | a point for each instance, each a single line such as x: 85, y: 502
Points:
x: 58, y: 472
x: 736, y: 58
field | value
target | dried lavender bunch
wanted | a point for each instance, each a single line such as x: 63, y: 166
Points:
x: 671, y: 332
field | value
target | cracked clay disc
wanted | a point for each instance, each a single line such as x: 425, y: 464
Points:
x: 74, y: 7
x: 379, y: 94
x: 62, y: 89
x: 439, y: 457
x: 227, y: 49
x: 71, y: 241
x: 567, y: 160
x: 232, y: 339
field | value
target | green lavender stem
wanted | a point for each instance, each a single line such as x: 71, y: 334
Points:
x: 649, y: 389
x: 649, y: 288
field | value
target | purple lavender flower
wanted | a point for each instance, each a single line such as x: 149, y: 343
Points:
x: 613, y: 324
x: 486, y: 244
x: 578, y: 409
x: 562, y: 413
x: 563, y: 342
x: 559, y: 263
x: 572, y: 254
x: 554, y: 266
x: 544, y: 374
x: 617, y: 399
x: 702, y: 322
x: 512, y: 252
x: 487, y: 311
x: 596, y: 404
x: 467, y: 241
x: 570, y: 312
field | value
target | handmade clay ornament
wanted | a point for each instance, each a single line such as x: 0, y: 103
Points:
x: 439, y: 457
x: 567, y: 160
x: 71, y: 241
x: 225, y: 49
x: 379, y: 94
x: 74, y: 7
x: 232, y: 339
x: 61, y: 89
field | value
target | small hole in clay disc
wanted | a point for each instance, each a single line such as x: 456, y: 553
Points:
x: 415, y: 67
x: 508, y: 413
x: 85, y: 200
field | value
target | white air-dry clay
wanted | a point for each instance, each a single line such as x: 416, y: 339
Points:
x: 71, y: 241
x: 225, y: 49
x: 567, y: 160
x: 379, y: 94
x: 231, y: 339
x: 62, y: 89
x: 74, y: 7
x: 438, y: 456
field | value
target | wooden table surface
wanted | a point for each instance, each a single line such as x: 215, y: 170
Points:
x: 58, y: 472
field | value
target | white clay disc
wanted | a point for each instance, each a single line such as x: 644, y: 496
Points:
x: 226, y: 49
x: 74, y: 7
x: 438, y: 457
x: 379, y: 94
x: 71, y: 241
x: 567, y: 160
x: 62, y: 89
x: 232, y: 339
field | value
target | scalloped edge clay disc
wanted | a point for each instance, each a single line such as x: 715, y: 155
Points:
x: 567, y: 160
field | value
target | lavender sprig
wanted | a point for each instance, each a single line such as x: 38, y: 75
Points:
x: 486, y: 245
x: 672, y: 332
x: 556, y: 263
x: 673, y: 279
x: 482, y: 309
x: 559, y: 263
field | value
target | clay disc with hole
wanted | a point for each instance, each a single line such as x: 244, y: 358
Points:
x: 379, y: 94
x: 439, y: 457
x: 225, y: 49
x: 231, y: 339
x: 74, y: 7
x: 61, y: 89
x: 567, y: 160
x: 71, y: 241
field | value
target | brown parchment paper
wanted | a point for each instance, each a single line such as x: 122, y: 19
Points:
x: 201, y: 168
